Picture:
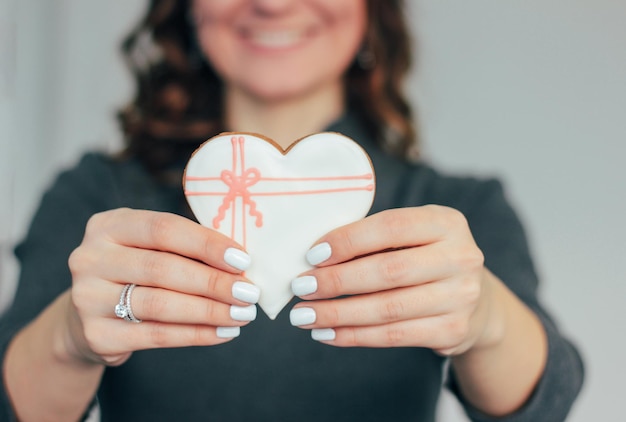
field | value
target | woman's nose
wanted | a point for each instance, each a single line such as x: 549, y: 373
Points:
x: 272, y: 7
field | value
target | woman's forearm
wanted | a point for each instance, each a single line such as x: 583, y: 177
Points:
x: 499, y: 377
x: 44, y: 379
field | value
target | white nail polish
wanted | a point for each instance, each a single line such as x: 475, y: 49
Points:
x: 304, y: 285
x: 228, y: 332
x: 243, y: 313
x: 318, y: 253
x: 323, y: 334
x: 246, y: 292
x: 237, y: 258
x: 302, y: 316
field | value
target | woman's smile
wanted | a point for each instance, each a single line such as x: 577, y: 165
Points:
x: 275, y: 39
x: 280, y: 50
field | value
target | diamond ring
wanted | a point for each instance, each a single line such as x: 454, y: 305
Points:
x: 130, y: 317
x: 123, y: 309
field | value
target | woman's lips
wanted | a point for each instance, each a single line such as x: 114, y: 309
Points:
x: 276, y: 39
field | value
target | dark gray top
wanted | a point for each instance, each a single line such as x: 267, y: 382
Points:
x: 273, y: 371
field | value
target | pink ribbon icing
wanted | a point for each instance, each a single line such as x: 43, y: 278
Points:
x: 238, y: 186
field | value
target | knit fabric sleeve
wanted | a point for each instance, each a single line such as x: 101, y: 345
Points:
x: 57, y: 228
x: 499, y: 233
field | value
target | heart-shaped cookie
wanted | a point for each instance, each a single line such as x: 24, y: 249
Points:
x: 277, y: 203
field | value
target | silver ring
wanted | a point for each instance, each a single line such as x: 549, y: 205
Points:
x: 121, y: 311
x: 130, y: 316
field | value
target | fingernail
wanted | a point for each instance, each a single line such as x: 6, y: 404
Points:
x: 243, y: 313
x: 237, y: 258
x: 246, y: 292
x: 228, y: 332
x: 302, y: 316
x: 304, y: 285
x: 318, y: 253
x: 323, y: 334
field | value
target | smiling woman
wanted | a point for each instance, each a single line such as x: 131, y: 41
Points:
x: 288, y: 44
x: 125, y: 298
x: 181, y: 100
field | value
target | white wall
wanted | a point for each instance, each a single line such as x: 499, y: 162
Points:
x: 535, y: 92
x: 8, y: 29
x: 531, y: 91
x: 63, y: 81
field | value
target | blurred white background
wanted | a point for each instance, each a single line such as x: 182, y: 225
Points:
x: 533, y: 92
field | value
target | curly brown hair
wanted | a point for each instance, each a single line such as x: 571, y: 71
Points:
x: 178, y: 103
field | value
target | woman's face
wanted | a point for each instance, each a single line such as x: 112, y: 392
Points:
x: 277, y: 49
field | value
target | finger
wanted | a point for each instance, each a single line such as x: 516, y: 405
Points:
x: 151, y: 304
x: 377, y: 272
x: 174, y: 272
x: 170, y: 233
x: 126, y: 336
x: 390, y: 229
x: 439, y: 333
x: 402, y: 304
x: 99, y: 298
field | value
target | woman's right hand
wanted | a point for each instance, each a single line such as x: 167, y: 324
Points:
x: 190, y: 290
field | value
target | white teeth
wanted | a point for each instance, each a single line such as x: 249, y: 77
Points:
x: 276, y: 39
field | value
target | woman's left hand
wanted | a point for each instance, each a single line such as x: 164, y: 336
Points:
x: 402, y: 277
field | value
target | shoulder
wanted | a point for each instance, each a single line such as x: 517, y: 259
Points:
x: 85, y: 182
x: 92, y: 170
x: 100, y: 168
x: 106, y: 181
x: 453, y: 188
x: 77, y: 192
x: 420, y: 183
x: 482, y: 200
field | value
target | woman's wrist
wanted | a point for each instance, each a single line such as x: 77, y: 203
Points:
x: 492, y: 314
x: 500, y: 371
x: 69, y: 346
x: 43, y: 375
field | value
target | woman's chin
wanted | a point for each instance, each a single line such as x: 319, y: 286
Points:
x: 277, y: 91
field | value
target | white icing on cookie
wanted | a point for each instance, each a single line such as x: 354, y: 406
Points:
x: 277, y: 204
